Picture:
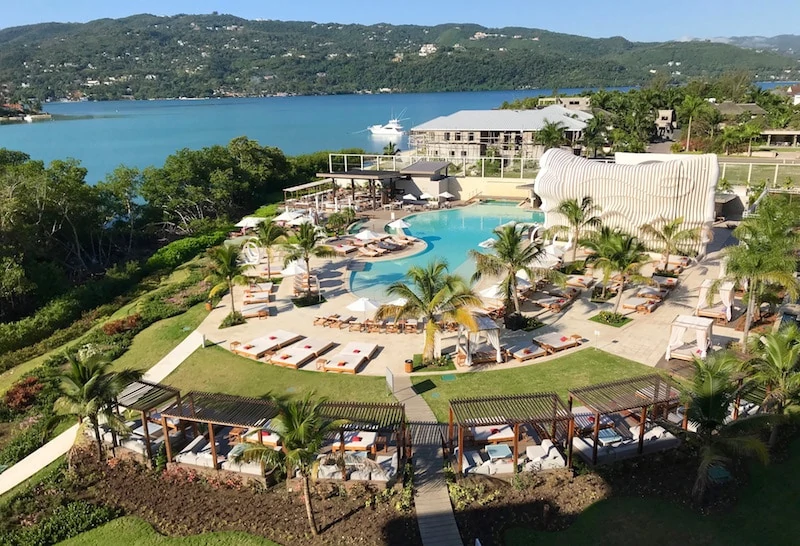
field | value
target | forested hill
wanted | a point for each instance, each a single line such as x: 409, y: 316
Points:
x: 145, y: 56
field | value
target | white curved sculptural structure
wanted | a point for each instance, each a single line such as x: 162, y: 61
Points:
x: 647, y: 188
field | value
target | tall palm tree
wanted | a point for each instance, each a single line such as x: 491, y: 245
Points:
x: 749, y: 131
x: 719, y: 440
x: 601, y: 238
x: 225, y: 271
x: 777, y: 369
x: 691, y: 107
x: 579, y: 215
x: 270, y: 235
x: 670, y: 235
x: 731, y: 136
x: 88, y: 391
x: 594, y: 134
x: 551, y: 135
x: 433, y: 294
x: 620, y: 253
x: 390, y: 149
x: 301, y: 426
x: 305, y: 244
x: 510, y: 254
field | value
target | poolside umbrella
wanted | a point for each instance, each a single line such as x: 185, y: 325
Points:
x: 399, y: 302
x: 300, y: 220
x: 488, y: 243
x: 287, y: 216
x: 294, y: 268
x: 410, y: 197
x: 494, y: 292
x: 426, y: 196
x: 368, y: 235
x: 446, y: 195
x: 363, y: 305
x: 249, y: 222
x: 399, y: 224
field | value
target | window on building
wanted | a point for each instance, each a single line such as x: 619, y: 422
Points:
x: 458, y: 136
x: 447, y: 136
x: 452, y: 153
x: 471, y: 137
x: 463, y: 153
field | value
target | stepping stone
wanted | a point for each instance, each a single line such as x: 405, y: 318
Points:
x: 449, y: 377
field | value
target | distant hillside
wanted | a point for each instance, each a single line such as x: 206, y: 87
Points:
x: 785, y: 44
x: 145, y: 56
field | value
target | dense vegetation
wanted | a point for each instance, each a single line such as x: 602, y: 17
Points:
x: 144, y: 56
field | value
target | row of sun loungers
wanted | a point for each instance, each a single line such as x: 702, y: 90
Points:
x: 407, y: 326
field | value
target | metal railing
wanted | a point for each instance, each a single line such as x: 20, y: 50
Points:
x: 512, y: 169
x: 785, y: 175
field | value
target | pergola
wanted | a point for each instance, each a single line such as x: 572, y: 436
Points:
x: 305, y: 188
x: 144, y: 397
x: 637, y: 393
x: 544, y: 408
x: 371, y: 176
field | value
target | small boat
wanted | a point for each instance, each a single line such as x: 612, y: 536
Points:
x: 28, y: 118
x: 392, y: 128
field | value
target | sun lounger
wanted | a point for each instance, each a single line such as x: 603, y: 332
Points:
x: 291, y: 357
x: 344, y: 363
x: 555, y: 341
x: 684, y: 261
x: 717, y: 312
x: 402, y: 242
x: 388, y: 245
x: 551, y: 303
x: 411, y: 326
x: 672, y: 268
x: 641, y: 305
x: 260, y: 346
x: 687, y: 351
x: 375, y: 326
x: 580, y: 281
x: 258, y: 298
x: 368, y: 252
x: 380, y: 251
x: 651, y: 293
x: 316, y: 345
x: 665, y: 282
x: 320, y: 320
x: 342, y: 323
x: 343, y: 250
x: 255, y: 310
x: 267, y: 437
x: 357, y: 440
x: 260, y: 287
x: 358, y: 348
x: 527, y: 352
x: 493, y: 434
x: 544, y: 456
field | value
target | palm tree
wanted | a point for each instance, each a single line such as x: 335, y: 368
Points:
x: 594, y: 134
x: 749, y: 131
x: 432, y: 294
x: 777, y: 369
x: 691, y: 107
x: 670, y: 235
x: 710, y: 397
x: 390, y: 149
x: 301, y: 426
x: 510, y: 254
x: 600, y: 239
x: 551, y: 135
x: 304, y: 245
x: 619, y: 253
x: 89, y: 389
x: 270, y: 235
x: 579, y: 216
x: 225, y: 271
x: 731, y: 136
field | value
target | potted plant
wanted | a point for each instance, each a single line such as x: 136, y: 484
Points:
x: 209, y: 305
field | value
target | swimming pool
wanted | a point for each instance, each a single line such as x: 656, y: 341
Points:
x: 450, y: 234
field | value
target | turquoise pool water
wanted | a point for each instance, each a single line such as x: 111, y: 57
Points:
x: 450, y: 234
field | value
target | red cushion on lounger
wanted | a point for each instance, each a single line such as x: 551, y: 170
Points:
x: 342, y: 363
x: 273, y: 337
x: 564, y: 338
x: 561, y: 301
x: 356, y: 351
x: 494, y: 430
x: 285, y: 356
x: 590, y: 418
x: 526, y: 351
x: 306, y: 346
x: 356, y: 438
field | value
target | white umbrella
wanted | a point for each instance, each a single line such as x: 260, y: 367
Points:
x: 294, y: 268
x: 410, y: 197
x: 446, y: 195
x: 494, y: 292
x: 399, y: 302
x: 249, y: 222
x: 399, y: 224
x: 554, y: 250
x: 363, y: 305
x: 426, y: 196
x: 488, y: 243
x: 286, y: 216
x: 300, y: 220
x: 368, y: 235
x: 523, y: 282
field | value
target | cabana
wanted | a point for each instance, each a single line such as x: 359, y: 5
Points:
x: 721, y: 312
x: 475, y: 351
x: 144, y: 397
x: 543, y: 411
x: 626, y: 395
x: 702, y: 328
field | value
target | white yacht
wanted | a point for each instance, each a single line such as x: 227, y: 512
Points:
x: 392, y: 128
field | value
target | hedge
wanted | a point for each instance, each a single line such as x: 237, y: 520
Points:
x: 65, y: 522
x: 183, y: 250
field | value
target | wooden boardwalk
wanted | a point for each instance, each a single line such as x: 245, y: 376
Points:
x: 437, y: 524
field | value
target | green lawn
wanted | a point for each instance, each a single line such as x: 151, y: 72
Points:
x: 133, y: 531
x: 574, y: 369
x: 154, y: 342
x: 766, y: 513
x: 216, y: 370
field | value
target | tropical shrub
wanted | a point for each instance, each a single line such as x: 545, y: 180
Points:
x: 124, y: 324
x: 181, y: 251
x: 66, y: 521
x: 23, y: 394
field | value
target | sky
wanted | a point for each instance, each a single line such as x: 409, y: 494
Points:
x: 640, y: 20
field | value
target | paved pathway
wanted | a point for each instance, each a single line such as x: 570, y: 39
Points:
x: 437, y: 524
x: 59, y: 445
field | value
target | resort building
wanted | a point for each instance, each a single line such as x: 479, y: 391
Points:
x: 570, y: 103
x: 501, y: 133
x: 637, y: 189
x: 666, y: 123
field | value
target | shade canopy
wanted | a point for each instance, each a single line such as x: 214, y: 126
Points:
x: 488, y: 243
x: 294, y: 268
x: 367, y: 235
x: 300, y: 220
x: 554, y: 250
x: 399, y: 224
x: 363, y: 305
x: 426, y: 196
x: 287, y: 216
x: 249, y: 222
x: 399, y: 302
x: 494, y: 292
x: 410, y: 197
x: 726, y: 293
x: 446, y: 195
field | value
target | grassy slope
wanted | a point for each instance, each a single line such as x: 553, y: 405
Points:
x: 574, y: 369
x: 133, y: 531
x: 217, y: 370
x: 765, y: 514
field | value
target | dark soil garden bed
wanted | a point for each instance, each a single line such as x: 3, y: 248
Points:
x: 179, y: 503
x: 551, y: 501
x: 610, y: 319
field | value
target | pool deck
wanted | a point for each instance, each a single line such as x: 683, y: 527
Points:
x: 644, y: 339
